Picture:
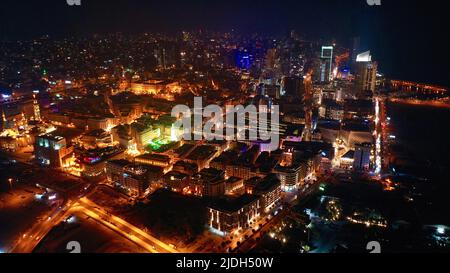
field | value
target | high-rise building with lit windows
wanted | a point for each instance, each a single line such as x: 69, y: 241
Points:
x: 52, y: 151
x: 37, y: 110
x: 326, y: 64
x: 365, y: 74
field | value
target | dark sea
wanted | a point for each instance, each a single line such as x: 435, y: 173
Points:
x: 423, y: 141
x: 423, y: 132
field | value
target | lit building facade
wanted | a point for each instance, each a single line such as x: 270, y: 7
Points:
x: 233, y: 185
x: 290, y: 176
x: 159, y: 160
x: 326, y: 64
x: 365, y: 73
x: 269, y: 191
x: 176, y: 181
x: 232, y: 214
x: 241, y: 171
x: 209, y: 183
x: 52, y: 151
x: 133, y: 178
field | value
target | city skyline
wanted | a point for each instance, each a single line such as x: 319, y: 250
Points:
x: 409, y: 50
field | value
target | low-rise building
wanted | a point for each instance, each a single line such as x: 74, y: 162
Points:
x: 353, y: 133
x: 159, y: 160
x: 244, y: 166
x: 202, y: 155
x: 184, y: 151
x: 185, y: 167
x: 234, y: 185
x: 330, y: 109
x: 226, y: 215
x: 209, y: 183
x: 102, y: 123
x: 176, y: 181
x: 347, y: 160
x: 225, y: 159
x: 96, y: 138
x: 133, y: 178
x: 52, y: 151
x: 143, y: 134
x: 269, y: 191
x: 290, y: 175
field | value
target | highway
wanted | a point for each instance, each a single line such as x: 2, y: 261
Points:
x: 124, y: 228
x: 28, y: 241
x: 119, y: 229
x: 34, y: 236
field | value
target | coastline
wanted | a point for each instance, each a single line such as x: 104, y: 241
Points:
x: 416, y: 102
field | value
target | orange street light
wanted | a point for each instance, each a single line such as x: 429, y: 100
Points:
x: 10, y: 182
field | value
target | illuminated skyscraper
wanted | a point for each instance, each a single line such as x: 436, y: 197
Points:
x: 365, y: 73
x: 272, y: 65
x: 160, y: 56
x: 308, y: 100
x: 326, y: 64
x: 37, y: 110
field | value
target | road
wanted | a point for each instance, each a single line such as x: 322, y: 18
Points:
x: 34, y: 236
x: 28, y: 241
x: 124, y: 228
x: 119, y: 229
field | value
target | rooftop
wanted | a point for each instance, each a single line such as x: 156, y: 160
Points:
x: 226, y: 157
x: 154, y: 157
x: 233, y: 180
x: 51, y: 137
x: 186, y: 165
x: 268, y: 183
x: 359, y: 104
x: 202, y: 152
x: 311, y: 147
x: 120, y: 162
x: 349, y: 155
x: 329, y: 124
x: 356, y: 126
x: 184, y: 150
x: 176, y: 175
x: 209, y: 175
x: 230, y: 204
x: 95, y: 133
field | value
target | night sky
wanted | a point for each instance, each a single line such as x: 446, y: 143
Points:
x: 407, y: 37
